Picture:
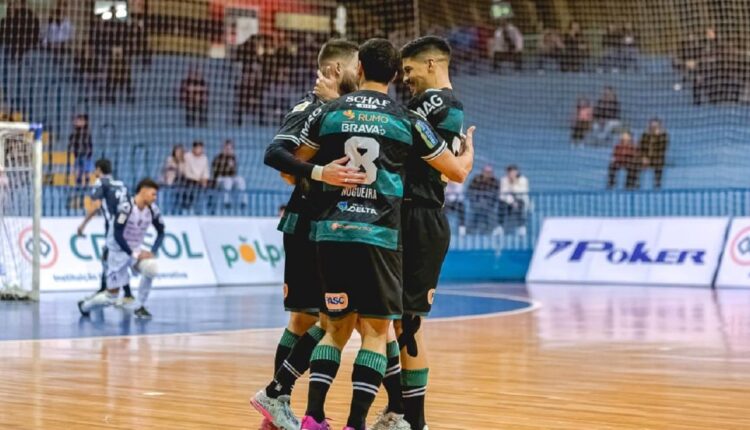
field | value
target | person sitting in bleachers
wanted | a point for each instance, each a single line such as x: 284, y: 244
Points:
x: 584, y: 117
x: 624, y: 156
x: 224, y: 169
x: 514, y: 201
x: 196, y: 174
x: 507, y: 45
x: 653, y: 149
x: 576, y: 49
x: 606, y: 116
x: 483, y: 191
x: 194, y: 99
x: 550, y: 50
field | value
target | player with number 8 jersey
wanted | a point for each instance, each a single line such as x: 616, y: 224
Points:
x: 358, y: 230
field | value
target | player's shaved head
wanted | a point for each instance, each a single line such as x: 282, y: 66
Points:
x: 336, y: 50
x: 380, y: 60
x: 427, y: 46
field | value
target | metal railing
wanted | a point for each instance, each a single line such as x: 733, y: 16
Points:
x: 488, y: 231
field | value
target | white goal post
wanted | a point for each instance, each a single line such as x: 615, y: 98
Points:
x: 20, y: 210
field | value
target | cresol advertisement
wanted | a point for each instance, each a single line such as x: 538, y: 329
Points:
x: 244, y: 250
x: 734, y: 271
x: 72, y: 262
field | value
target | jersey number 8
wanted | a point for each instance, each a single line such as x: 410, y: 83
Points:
x: 362, y: 152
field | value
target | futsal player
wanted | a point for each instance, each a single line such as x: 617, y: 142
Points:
x: 124, y: 241
x: 302, y: 290
x: 426, y: 233
x: 358, y: 229
x: 106, y: 195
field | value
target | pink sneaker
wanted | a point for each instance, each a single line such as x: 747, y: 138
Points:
x: 309, y: 423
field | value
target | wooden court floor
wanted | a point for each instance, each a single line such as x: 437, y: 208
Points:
x: 588, y: 358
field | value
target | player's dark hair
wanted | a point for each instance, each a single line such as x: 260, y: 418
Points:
x: 337, y: 48
x: 380, y: 60
x: 197, y: 143
x: 104, y: 165
x: 146, y: 183
x: 426, y: 44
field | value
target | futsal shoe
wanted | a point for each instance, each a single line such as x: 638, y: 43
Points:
x: 80, y: 308
x: 278, y: 411
x: 125, y: 302
x: 142, y: 313
x: 309, y: 423
x: 390, y: 421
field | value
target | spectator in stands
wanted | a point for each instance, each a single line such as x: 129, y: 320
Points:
x: 611, y: 47
x: 248, y: 89
x: 705, y: 82
x: 194, y: 98
x: 454, y: 202
x: 514, y: 201
x: 173, y: 171
x: 606, y: 116
x: 19, y: 31
x: 687, y: 59
x: 584, y: 117
x: 81, y: 148
x: 507, y: 45
x: 117, y: 51
x: 624, y: 156
x: 483, y: 191
x: 550, y: 50
x: 224, y: 169
x: 629, y: 49
x: 196, y: 174
x: 59, y: 33
x: 653, y: 149
x: 576, y: 49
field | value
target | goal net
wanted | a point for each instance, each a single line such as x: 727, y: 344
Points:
x: 20, y: 210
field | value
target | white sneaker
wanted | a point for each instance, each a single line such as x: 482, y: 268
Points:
x: 390, y: 421
x: 278, y: 411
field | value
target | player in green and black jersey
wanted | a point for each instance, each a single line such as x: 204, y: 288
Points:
x: 358, y: 229
x: 426, y: 232
x: 302, y: 290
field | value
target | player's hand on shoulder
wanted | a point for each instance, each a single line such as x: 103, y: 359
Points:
x: 326, y: 87
x: 144, y: 255
x: 338, y: 174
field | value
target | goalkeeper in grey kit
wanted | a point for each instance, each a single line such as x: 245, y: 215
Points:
x: 124, y: 240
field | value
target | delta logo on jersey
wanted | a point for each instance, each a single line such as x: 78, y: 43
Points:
x: 337, y: 301
x: 355, y: 208
x: 249, y: 253
x: 49, y: 252
x: 639, y: 254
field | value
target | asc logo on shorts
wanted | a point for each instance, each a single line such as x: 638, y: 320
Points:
x: 337, y: 301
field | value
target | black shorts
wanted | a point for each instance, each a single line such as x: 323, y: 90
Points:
x: 426, y: 236
x: 360, y: 278
x: 302, y: 292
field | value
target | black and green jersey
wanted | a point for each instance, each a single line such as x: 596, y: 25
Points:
x: 378, y: 135
x: 424, y: 185
x: 297, y: 216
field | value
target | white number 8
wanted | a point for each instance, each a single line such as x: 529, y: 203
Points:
x: 366, y: 160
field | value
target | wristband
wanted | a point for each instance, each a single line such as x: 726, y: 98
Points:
x: 317, y: 173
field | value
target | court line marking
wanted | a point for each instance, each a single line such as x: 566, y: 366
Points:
x: 533, y: 305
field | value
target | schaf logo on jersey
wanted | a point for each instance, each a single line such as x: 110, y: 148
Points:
x: 367, y: 102
x: 639, y: 254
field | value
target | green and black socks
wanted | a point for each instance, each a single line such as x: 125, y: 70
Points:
x: 295, y: 363
x: 369, y: 368
x: 392, y: 379
x: 324, y: 365
x: 413, y: 389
